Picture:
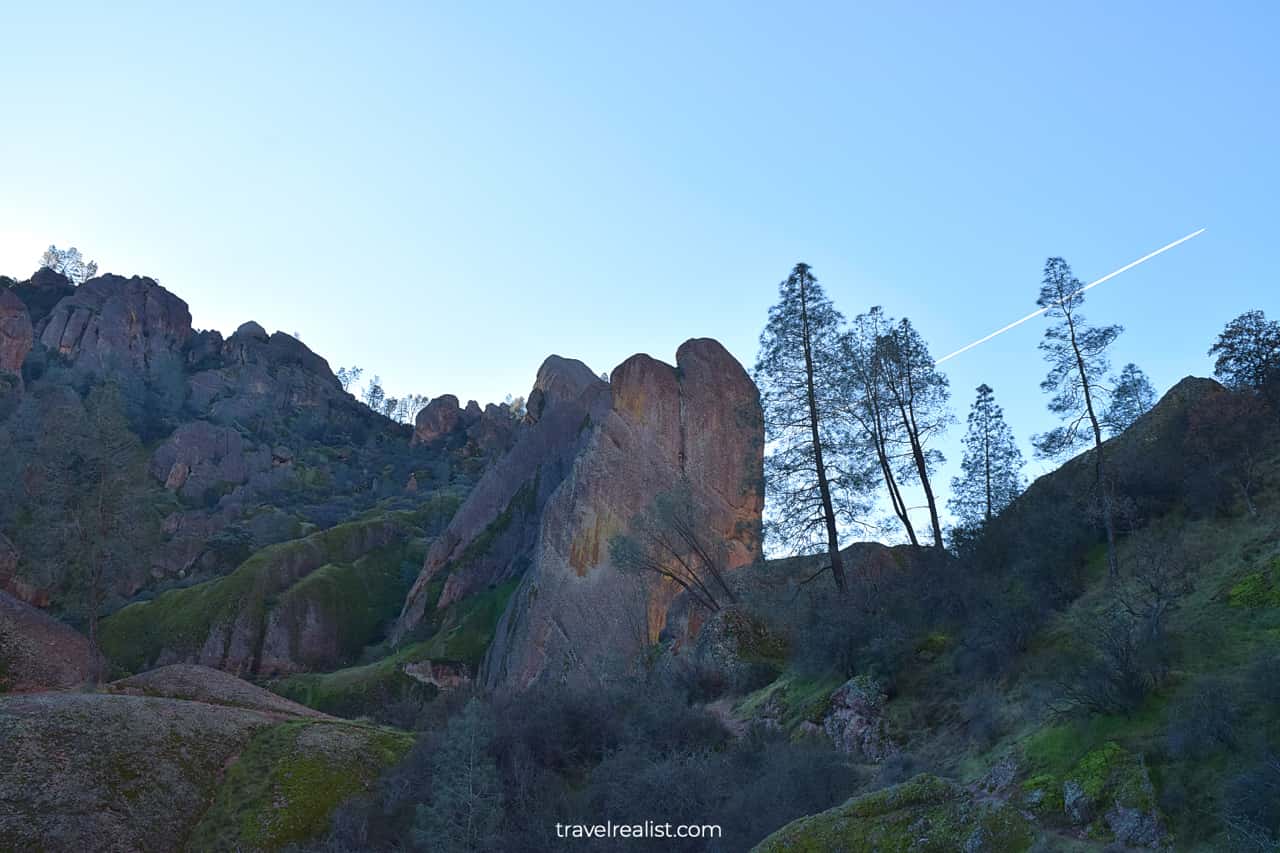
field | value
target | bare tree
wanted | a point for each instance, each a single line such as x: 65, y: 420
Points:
x: 349, y: 377
x: 670, y: 539
x: 70, y: 263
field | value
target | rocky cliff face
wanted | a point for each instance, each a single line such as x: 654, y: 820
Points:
x: 251, y: 439
x: 594, y: 457
x: 493, y: 534
x: 114, y: 322
x: 16, y: 335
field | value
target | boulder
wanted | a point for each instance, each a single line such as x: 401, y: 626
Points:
x: 437, y: 419
x: 310, y: 603
x: 120, y: 772
x: 855, y: 721
x: 111, y: 322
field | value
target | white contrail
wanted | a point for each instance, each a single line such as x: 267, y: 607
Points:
x: 1035, y: 314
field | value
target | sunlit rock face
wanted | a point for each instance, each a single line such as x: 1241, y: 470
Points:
x: 592, y: 457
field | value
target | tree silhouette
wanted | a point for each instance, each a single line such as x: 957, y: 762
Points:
x: 1131, y: 397
x: 798, y: 372
x: 992, y: 465
x: 70, y: 263
x: 919, y: 395
x: 1247, y: 353
x: 1077, y: 357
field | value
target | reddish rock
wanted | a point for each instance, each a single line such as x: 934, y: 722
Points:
x: 574, y: 613
x: 118, y: 323
x: 437, y: 419
x: 590, y: 459
x: 16, y: 336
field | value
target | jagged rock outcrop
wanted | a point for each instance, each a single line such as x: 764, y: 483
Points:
x: 592, y: 457
x: 112, y: 322
x: 487, y: 432
x: 41, y: 292
x: 493, y: 533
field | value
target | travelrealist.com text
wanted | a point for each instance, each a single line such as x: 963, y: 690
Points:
x: 648, y: 829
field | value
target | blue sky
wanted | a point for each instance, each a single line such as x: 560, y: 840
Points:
x: 446, y: 193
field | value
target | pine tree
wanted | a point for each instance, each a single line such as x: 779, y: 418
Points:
x: 1077, y: 356
x: 992, y: 464
x: 798, y: 372
x: 1131, y: 397
x: 919, y: 396
x: 876, y: 432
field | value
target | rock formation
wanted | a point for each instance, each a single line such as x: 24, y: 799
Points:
x: 212, y: 770
x: 309, y: 603
x: 37, y: 652
x: 16, y: 335
x: 592, y: 457
x: 488, y: 431
x: 111, y: 322
x: 491, y: 536
x: 438, y: 418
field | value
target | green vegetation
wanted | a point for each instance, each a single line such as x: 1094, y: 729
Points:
x: 923, y: 814
x: 790, y: 701
x: 354, y: 691
x: 183, y: 623
x: 284, y: 786
x: 464, y: 630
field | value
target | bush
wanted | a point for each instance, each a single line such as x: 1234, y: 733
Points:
x: 1204, y: 720
x: 1251, y: 805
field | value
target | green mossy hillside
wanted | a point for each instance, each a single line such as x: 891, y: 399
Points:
x: 199, y: 623
x: 922, y: 815
x: 285, y: 784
